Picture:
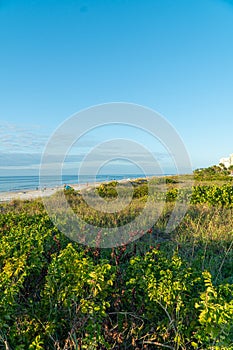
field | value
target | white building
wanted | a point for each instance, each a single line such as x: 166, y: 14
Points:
x: 227, y: 161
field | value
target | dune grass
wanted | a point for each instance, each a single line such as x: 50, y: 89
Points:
x: 165, y: 290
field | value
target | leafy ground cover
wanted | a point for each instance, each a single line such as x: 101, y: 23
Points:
x: 162, y: 291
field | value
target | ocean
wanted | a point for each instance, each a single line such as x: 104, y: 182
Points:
x: 20, y: 183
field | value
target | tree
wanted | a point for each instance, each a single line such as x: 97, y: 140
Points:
x: 223, y: 166
x: 231, y: 169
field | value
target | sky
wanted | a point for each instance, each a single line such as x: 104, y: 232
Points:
x: 60, y: 57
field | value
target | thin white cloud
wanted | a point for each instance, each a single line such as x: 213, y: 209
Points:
x: 21, y: 148
x: 15, y: 138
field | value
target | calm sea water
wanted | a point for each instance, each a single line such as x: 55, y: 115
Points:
x: 19, y: 183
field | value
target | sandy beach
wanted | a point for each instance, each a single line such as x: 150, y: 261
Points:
x: 33, y: 194
x: 38, y: 193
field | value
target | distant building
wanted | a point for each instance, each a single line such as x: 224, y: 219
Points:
x: 227, y: 161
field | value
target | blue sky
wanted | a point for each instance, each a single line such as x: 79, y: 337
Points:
x: 59, y: 57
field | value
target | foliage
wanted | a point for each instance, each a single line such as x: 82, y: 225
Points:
x: 214, y: 195
x: 214, y: 172
x: 107, y: 190
x: 171, y: 291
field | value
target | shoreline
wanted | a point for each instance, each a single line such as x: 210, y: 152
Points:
x: 30, y: 194
x: 37, y: 193
x: 40, y: 193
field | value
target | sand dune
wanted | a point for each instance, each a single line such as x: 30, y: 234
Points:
x: 32, y: 194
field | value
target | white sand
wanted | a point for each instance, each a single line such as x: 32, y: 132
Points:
x: 32, y: 194
x: 27, y: 194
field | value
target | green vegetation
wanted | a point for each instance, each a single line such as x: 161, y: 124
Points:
x: 214, y: 172
x: 163, y: 291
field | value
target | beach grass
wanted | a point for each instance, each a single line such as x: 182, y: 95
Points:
x: 162, y: 290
